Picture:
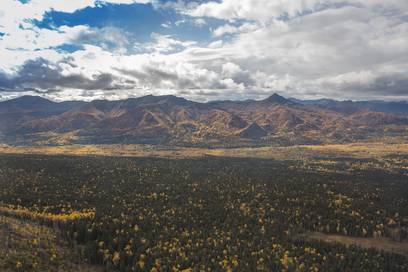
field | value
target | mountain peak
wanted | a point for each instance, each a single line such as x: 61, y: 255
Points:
x: 30, y: 98
x: 277, y: 99
x: 28, y: 101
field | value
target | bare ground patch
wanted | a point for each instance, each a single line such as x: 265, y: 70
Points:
x: 385, y: 244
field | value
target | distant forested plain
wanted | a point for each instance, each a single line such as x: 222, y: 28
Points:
x: 207, y: 213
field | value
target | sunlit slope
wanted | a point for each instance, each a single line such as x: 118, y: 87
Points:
x: 29, y: 246
x: 173, y: 121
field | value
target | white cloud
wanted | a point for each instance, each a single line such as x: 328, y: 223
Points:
x: 215, y: 44
x: 225, y: 29
x: 166, y: 25
x: 352, y: 78
x: 230, y: 69
x: 230, y: 29
x: 262, y: 10
x: 165, y: 43
x: 200, y: 22
x: 37, y: 39
x: 12, y: 59
x: 15, y: 13
x: 180, y: 22
x: 22, y: 40
x: 266, y: 10
x: 32, y: 43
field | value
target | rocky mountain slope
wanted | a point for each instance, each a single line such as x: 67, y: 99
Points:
x: 174, y: 120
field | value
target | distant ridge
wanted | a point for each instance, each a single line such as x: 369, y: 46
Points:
x: 173, y: 120
x: 399, y: 107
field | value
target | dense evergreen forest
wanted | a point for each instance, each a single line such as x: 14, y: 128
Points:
x: 209, y: 214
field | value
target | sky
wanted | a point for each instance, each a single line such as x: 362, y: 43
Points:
x: 204, y: 50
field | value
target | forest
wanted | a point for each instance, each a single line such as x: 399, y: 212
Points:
x: 210, y: 213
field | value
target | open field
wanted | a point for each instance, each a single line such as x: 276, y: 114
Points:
x: 385, y: 244
x: 357, y: 157
x: 357, y: 150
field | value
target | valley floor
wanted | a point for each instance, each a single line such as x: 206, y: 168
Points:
x: 144, y: 208
x: 356, y: 150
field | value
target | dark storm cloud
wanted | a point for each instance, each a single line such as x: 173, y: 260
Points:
x: 392, y: 85
x: 375, y: 85
x: 41, y: 75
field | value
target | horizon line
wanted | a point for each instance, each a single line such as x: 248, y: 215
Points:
x: 291, y: 99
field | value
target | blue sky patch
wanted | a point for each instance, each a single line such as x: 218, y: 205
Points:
x: 139, y: 21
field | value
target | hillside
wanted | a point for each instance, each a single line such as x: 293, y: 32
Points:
x: 29, y: 246
x: 177, y: 121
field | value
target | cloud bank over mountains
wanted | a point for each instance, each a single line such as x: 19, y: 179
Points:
x: 204, y: 50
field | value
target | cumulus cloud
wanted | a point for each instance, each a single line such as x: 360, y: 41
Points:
x: 98, y: 71
x: 33, y: 43
x: 164, y: 44
x: 22, y: 40
x: 109, y: 38
x: 225, y: 29
x: 265, y: 10
x: 311, y: 53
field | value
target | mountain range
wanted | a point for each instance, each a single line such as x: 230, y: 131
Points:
x: 171, y: 120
